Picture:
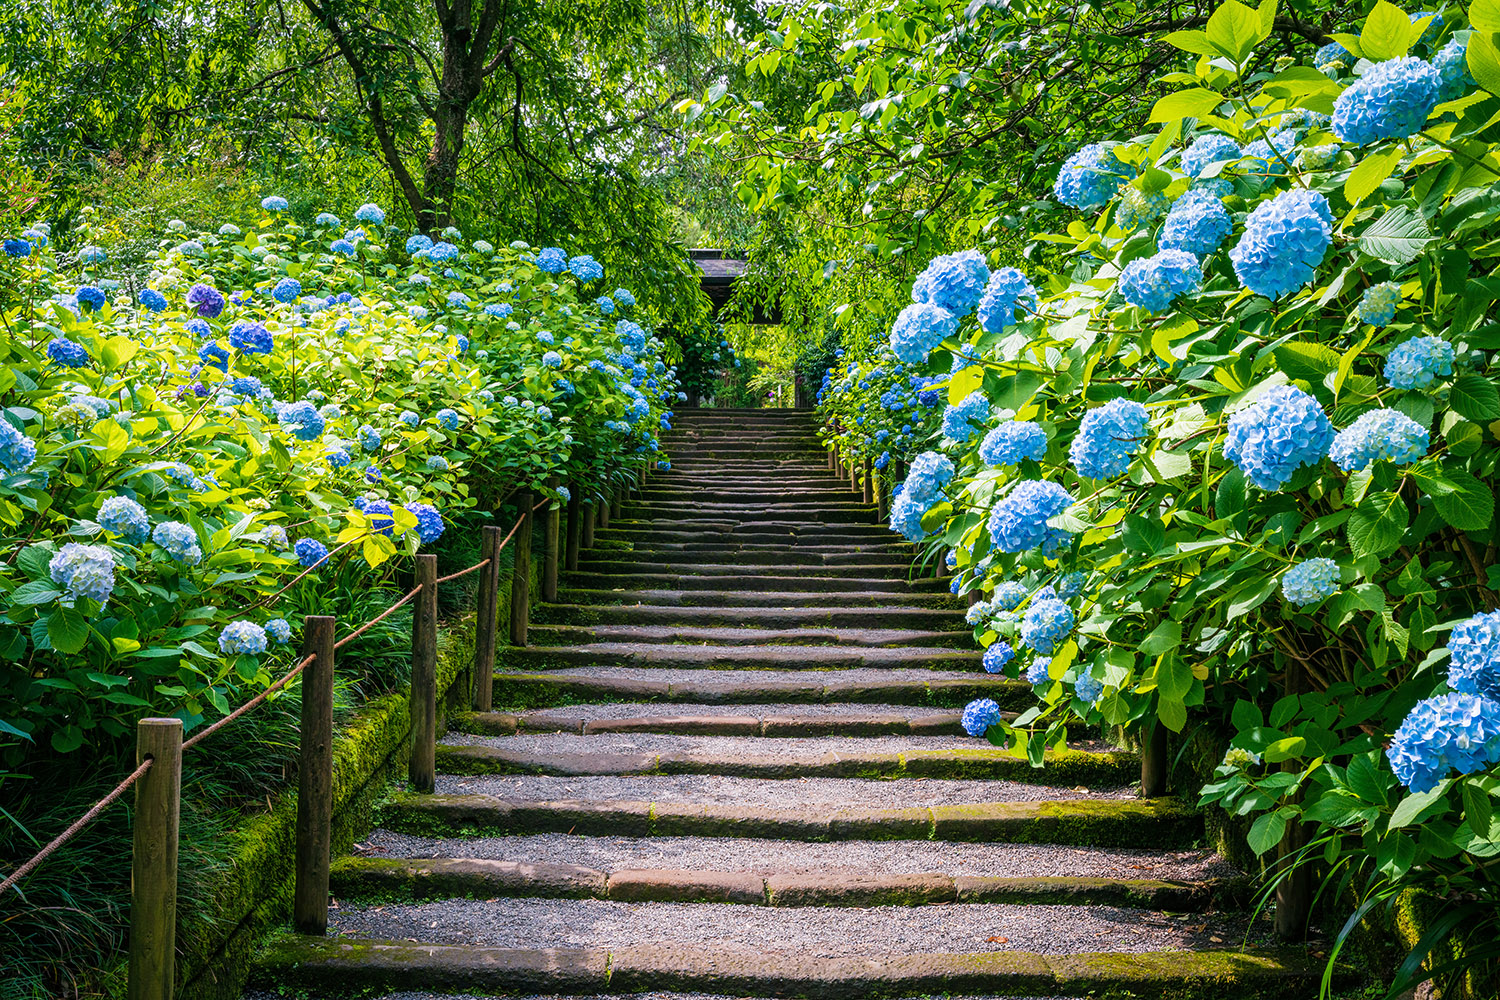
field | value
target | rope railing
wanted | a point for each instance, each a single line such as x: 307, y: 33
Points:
x: 160, y: 744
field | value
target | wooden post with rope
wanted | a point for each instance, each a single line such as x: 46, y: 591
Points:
x: 520, y: 578
x: 551, y: 554
x: 422, y: 769
x: 315, y: 780
x: 575, y: 527
x: 153, y: 869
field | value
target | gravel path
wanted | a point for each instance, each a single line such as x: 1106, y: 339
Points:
x: 818, y: 931
x: 732, y: 747
x: 754, y: 678
x: 789, y: 793
x: 732, y: 854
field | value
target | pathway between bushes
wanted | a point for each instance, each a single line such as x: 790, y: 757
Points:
x: 734, y: 765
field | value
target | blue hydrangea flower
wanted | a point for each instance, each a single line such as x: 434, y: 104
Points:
x: 500, y: 309
x: 179, y: 541
x: 67, y: 353
x: 273, y: 203
x: 198, y: 327
x: 1332, y: 57
x: 92, y: 255
x: 906, y: 516
x: 125, y: 518
x: 997, y: 655
x: 979, y: 715
x: 1008, y: 291
x: 1009, y: 595
x: 153, y: 300
x: 585, y: 268
x: 623, y: 296
x: 329, y: 411
x: 369, y: 437
x: 606, y: 305
x: 371, y: 213
x: 437, y: 463
x: 90, y: 297
x: 953, y: 282
x: 1284, y: 429
x: 429, y: 521
x: 1088, y: 688
x: 1019, y: 521
x: 1452, y: 65
x: 1013, y: 442
x: 964, y: 419
x: 929, y: 473
x: 1207, y: 149
x: 1284, y: 241
x: 17, y: 248
x: 409, y: 418
x: 442, y: 252
x: 417, y: 243
x: 1276, y: 153
x: 301, y: 419
x: 278, y: 628
x: 552, y: 359
x: 1391, y: 101
x: 1474, y: 656
x: 1153, y: 283
x: 1137, y: 209
x: 1388, y: 435
x: 1090, y: 177
x: 1416, y: 362
x: 83, y: 571
x: 310, y: 551
x: 242, y: 638
x: 447, y: 419
x: 553, y: 260
x: 882, y: 461
x: 378, y: 512
x: 249, y: 385
x: 327, y: 220
x: 373, y: 473
x: 214, y: 355
x: 249, y: 337
x: 337, y: 457
x: 1310, y: 581
x: 1107, y: 436
x: 1451, y: 732
x: 1378, y: 305
x: 17, y: 451
x: 343, y: 247
x: 1039, y: 672
x: 286, y: 290
x: 1047, y: 622
x: 1070, y: 585
x: 919, y: 328
x: 1197, y: 224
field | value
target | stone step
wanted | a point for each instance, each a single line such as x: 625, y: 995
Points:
x: 570, y: 635
x: 707, y: 557
x: 794, y: 516
x: 858, y: 685
x: 703, y: 529
x: 687, y: 719
x: 754, y: 617
x: 599, y: 564
x: 403, y: 880
x: 761, y: 598
x: 823, y: 586
x: 731, y: 807
x: 737, y: 657
x: 342, y: 965
x: 889, y: 757
x: 269, y: 994
x: 744, y: 495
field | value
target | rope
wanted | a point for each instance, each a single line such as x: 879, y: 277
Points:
x: 72, y: 831
x: 378, y: 618
x: 464, y: 572
x: 252, y: 703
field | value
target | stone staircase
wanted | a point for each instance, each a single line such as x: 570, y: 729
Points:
x: 731, y: 763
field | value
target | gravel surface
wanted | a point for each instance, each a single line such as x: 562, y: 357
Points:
x: 270, y: 995
x: 791, y: 793
x: 818, y: 931
x: 734, y: 854
x: 731, y: 747
x: 759, y: 710
x: 755, y: 678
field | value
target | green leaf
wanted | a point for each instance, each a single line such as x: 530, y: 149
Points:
x: 10, y: 730
x: 1292, y: 746
x: 1415, y: 807
x: 1267, y: 832
x: 1172, y: 714
x: 1397, y: 237
x: 1247, y: 715
x: 1195, y: 102
x: 1484, y: 15
x: 1478, y: 809
x: 1306, y: 362
x: 1475, y: 397
x: 1144, y: 534
x: 35, y: 592
x: 964, y: 381
x: 34, y: 559
x: 1484, y: 61
x: 1388, y: 33
x: 1370, y: 172
x: 1377, y: 524
x: 1236, y: 30
x: 1165, y: 637
x: 1471, y: 504
x: 1365, y: 780
x: 1174, y: 678
x: 67, y: 630
x: 1191, y: 41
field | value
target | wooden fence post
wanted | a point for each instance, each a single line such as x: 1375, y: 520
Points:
x: 604, y: 504
x: 589, y: 517
x: 552, y: 541
x: 575, y: 527
x: 315, y: 780
x: 1154, y: 761
x: 423, y: 766
x: 617, y: 508
x: 520, y: 578
x: 487, y: 608
x: 153, y: 871
x: 882, y: 497
x: 869, y: 495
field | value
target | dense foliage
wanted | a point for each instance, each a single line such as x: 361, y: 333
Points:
x: 269, y: 406
x: 1234, y: 459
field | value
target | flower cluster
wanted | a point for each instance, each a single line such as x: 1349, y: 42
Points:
x: 1107, y: 436
x: 1310, y: 581
x: 1474, y: 656
x: 1390, y: 101
x: 953, y: 282
x: 979, y: 715
x: 1450, y: 732
x: 1198, y: 224
x: 1019, y: 521
x: 919, y: 328
x: 1285, y: 240
x: 1378, y: 305
x: 1281, y: 431
x: 1089, y: 178
x: 84, y: 571
x: 967, y: 417
x: 1047, y: 622
x: 1008, y: 290
x: 1379, y: 435
x: 1013, y: 442
x: 1413, y: 364
x: 1153, y: 283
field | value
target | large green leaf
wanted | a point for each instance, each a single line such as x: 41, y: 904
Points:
x: 1377, y: 524
x: 1388, y: 32
x: 1475, y: 397
x: 1469, y: 506
x: 1397, y: 237
x: 1195, y: 102
x: 67, y: 630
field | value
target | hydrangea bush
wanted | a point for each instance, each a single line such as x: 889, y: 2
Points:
x: 1235, y: 458
x: 262, y: 410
